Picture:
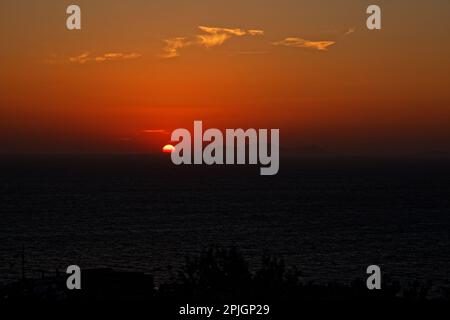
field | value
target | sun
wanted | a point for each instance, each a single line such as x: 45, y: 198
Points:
x: 168, y: 148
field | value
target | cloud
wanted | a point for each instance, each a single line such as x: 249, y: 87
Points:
x: 349, y: 31
x: 171, y: 50
x: 302, y: 43
x: 82, y: 58
x: 155, y: 131
x: 108, y: 56
x: 215, y: 30
x: 211, y: 37
x: 112, y: 56
x: 255, y: 32
x: 217, y: 36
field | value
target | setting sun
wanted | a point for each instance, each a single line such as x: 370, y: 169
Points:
x: 168, y: 148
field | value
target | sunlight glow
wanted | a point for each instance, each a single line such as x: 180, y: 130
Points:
x: 168, y: 148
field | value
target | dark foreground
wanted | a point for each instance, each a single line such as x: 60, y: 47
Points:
x: 217, y: 276
x: 220, y: 281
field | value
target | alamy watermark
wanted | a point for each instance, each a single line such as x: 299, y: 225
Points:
x: 73, y: 21
x: 236, y: 146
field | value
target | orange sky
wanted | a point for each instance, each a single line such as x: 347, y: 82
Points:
x: 139, y: 69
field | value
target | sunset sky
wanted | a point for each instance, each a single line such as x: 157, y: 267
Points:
x: 139, y: 69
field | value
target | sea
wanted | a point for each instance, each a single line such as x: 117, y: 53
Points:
x: 329, y: 217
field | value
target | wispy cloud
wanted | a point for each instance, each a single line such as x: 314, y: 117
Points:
x: 302, y: 43
x: 82, y: 58
x: 171, y: 50
x: 108, y: 56
x: 217, y: 36
x: 216, y: 30
x: 349, y: 31
x: 155, y: 131
x: 112, y: 56
x: 256, y: 32
x: 211, y: 37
